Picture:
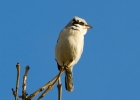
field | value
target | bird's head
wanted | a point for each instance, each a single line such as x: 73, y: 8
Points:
x: 78, y: 23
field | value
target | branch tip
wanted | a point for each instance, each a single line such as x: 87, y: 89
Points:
x: 27, y: 67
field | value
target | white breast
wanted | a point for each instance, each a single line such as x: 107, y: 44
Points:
x: 69, y: 46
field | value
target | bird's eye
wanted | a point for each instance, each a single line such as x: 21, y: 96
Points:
x: 81, y: 23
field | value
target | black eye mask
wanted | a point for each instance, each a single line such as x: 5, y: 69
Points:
x: 77, y: 22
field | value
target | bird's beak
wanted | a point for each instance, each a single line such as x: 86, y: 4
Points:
x: 88, y: 26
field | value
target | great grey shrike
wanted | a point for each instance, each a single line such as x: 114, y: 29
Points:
x: 69, y: 47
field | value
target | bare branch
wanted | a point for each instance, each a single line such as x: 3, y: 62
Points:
x: 47, y: 86
x: 17, y: 82
x: 59, y: 86
x: 50, y: 85
x: 45, y: 92
x: 24, y: 83
x: 15, y: 92
x: 42, y: 88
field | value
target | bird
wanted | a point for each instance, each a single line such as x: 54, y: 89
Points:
x: 69, y: 47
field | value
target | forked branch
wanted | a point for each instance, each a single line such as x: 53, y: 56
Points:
x: 47, y: 86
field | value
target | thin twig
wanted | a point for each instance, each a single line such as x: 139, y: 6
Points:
x: 51, y: 86
x: 41, y: 89
x: 15, y: 92
x: 45, y: 92
x: 17, y: 82
x: 24, y: 83
x: 59, y: 86
x: 54, y: 80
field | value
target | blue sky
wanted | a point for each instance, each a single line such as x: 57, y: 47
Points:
x: 109, y: 68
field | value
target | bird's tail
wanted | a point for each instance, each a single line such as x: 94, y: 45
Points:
x: 69, y: 81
